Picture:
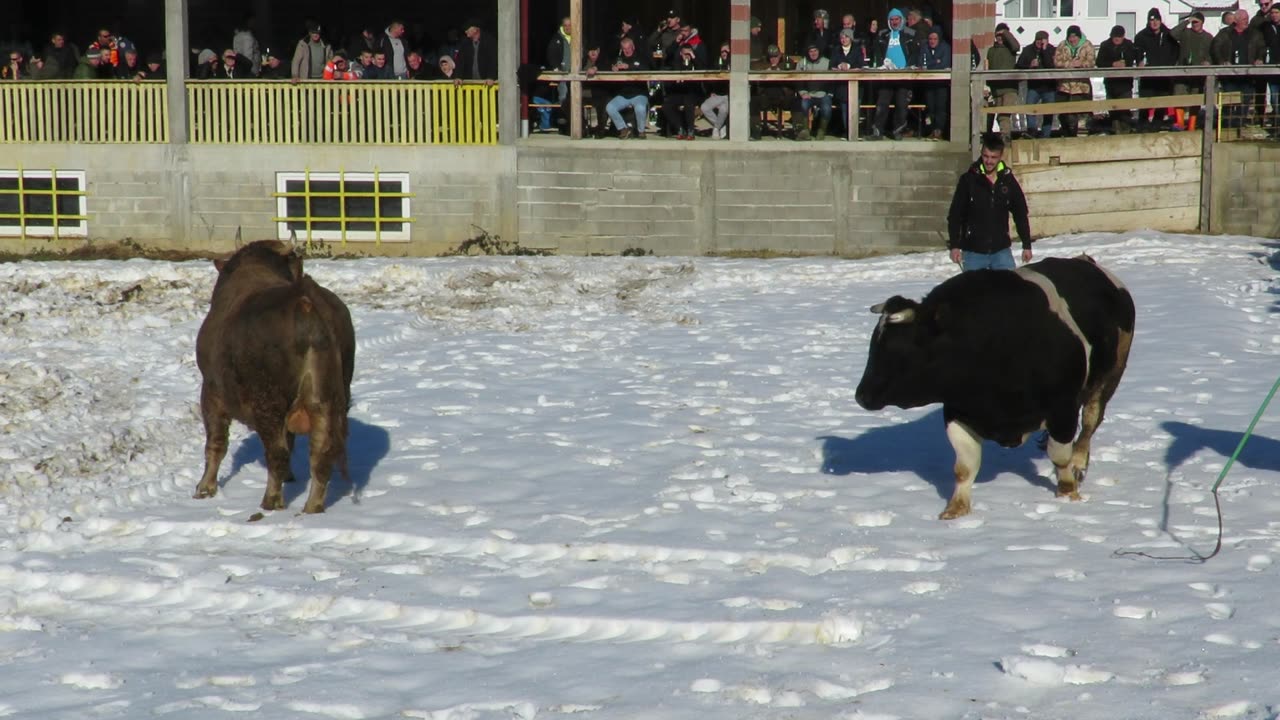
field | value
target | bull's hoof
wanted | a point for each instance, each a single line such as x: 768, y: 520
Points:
x: 954, y: 510
x: 1071, y: 489
x: 310, y: 509
x: 272, y: 503
x: 203, y: 492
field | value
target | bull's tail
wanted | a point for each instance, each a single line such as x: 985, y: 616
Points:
x: 313, y: 342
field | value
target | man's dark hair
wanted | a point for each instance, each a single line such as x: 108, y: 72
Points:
x: 993, y: 142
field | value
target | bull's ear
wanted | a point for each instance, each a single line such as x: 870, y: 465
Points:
x: 877, y: 308
x: 219, y: 264
x: 902, y: 316
x: 295, y: 266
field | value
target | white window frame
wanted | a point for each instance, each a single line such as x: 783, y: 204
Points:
x: 9, y: 227
x: 282, y: 205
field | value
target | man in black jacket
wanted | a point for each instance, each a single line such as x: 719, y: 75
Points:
x: 978, y: 223
x: 1118, y: 51
x: 629, y: 94
x: 1036, y: 56
x: 1159, y: 49
x: 477, y: 55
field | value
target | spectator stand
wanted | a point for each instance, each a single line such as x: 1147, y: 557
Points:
x: 852, y: 79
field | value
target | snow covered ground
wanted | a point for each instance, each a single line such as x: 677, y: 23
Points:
x: 617, y: 488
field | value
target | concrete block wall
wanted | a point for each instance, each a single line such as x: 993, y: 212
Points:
x: 609, y: 196
x: 572, y: 198
x: 195, y: 197
x: 1245, y: 189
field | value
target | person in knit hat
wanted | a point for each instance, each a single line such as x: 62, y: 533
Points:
x: 1074, y: 52
x: 1159, y: 49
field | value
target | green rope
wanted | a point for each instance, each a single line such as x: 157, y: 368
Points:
x: 1258, y: 415
x: 1217, y: 503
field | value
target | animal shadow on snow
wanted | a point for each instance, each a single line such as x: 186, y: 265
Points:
x: 921, y: 447
x: 366, y: 446
x: 1260, y: 453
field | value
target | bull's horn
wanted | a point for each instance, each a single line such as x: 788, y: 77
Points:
x: 877, y: 308
x: 902, y: 316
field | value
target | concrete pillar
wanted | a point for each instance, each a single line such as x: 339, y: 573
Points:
x: 177, y: 55
x: 508, y: 60
x: 739, y: 65
x: 972, y: 21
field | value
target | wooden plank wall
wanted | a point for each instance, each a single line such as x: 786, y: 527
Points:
x: 1114, y: 183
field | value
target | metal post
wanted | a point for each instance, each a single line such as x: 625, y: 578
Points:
x: 1207, y: 141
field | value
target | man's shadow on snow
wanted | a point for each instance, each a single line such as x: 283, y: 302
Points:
x: 366, y: 446
x: 1260, y: 453
x: 921, y: 447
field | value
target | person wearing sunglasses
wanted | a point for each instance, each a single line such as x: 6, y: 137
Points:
x: 15, y: 67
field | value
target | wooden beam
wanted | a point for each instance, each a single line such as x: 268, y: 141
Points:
x: 1085, y: 106
x: 575, y: 70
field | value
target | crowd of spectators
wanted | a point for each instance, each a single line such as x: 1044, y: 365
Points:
x: 1244, y: 39
x: 909, y: 39
x: 467, y: 53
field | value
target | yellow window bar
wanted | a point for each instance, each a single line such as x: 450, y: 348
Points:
x: 22, y: 192
x: 342, y: 218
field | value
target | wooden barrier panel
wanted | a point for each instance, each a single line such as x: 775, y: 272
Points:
x: 84, y: 111
x: 350, y: 113
x: 1112, y: 183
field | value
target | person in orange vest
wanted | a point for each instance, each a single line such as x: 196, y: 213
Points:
x: 338, y: 69
x: 110, y: 47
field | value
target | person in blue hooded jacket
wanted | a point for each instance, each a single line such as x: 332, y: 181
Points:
x: 900, y: 48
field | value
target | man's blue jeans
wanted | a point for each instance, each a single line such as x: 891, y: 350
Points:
x: 999, y: 260
x: 544, y: 114
x: 639, y: 102
x: 823, y: 103
x: 1035, y: 97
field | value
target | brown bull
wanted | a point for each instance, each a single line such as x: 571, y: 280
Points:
x: 276, y: 352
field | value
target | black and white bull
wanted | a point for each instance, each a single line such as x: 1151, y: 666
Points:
x: 1007, y: 353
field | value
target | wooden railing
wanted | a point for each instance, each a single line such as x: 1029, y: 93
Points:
x: 850, y: 78
x: 83, y: 111
x: 348, y: 113
x: 1220, y: 84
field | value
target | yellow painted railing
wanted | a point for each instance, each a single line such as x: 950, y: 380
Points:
x: 348, y: 113
x: 83, y: 111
